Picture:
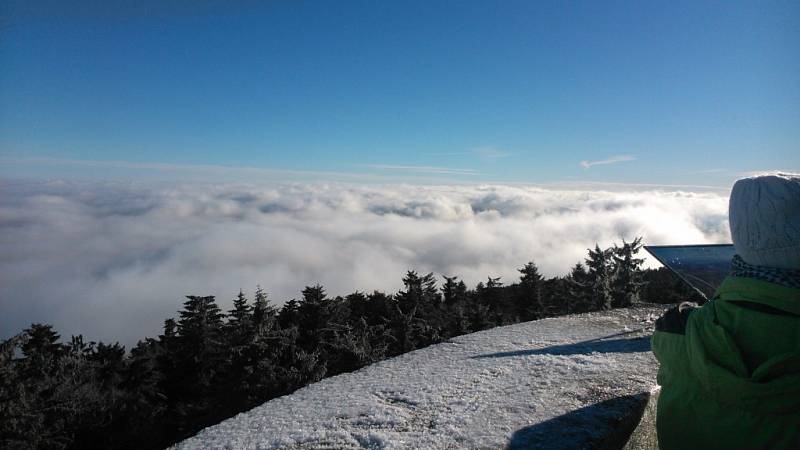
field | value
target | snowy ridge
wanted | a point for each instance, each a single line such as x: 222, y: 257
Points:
x: 553, y: 383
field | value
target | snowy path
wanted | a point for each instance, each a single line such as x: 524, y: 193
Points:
x: 529, y: 384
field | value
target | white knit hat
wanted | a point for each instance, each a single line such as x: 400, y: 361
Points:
x: 764, y: 213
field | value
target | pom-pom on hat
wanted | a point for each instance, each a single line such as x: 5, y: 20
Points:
x: 764, y: 215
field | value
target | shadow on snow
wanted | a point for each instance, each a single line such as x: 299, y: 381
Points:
x: 603, y: 425
x: 598, y: 345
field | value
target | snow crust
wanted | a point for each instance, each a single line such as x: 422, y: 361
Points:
x: 550, y: 383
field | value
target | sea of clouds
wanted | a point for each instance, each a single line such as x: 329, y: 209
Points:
x: 113, y: 260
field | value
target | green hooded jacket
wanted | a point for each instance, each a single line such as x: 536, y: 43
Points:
x: 730, y: 370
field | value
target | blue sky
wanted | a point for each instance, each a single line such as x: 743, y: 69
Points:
x: 667, y: 92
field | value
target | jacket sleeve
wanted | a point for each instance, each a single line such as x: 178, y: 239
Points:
x: 669, y: 344
x: 669, y: 347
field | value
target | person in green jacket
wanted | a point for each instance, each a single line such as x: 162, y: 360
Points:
x: 730, y: 370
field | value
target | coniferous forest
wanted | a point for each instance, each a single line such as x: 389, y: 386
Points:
x: 209, y: 364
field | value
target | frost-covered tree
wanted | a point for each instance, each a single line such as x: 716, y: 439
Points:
x: 528, y: 302
x: 313, y: 317
x: 628, y: 279
x: 455, y: 298
x: 600, y: 277
x: 240, y: 318
x: 263, y: 312
x: 201, y: 354
x: 579, y: 289
x: 420, y: 292
x: 496, y: 298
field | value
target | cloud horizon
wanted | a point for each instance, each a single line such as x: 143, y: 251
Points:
x: 113, y: 260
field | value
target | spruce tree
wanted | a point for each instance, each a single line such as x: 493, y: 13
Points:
x: 239, y: 335
x: 379, y: 308
x: 144, y: 403
x: 263, y: 313
x: 600, y: 278
x: 415, y: 319
x: 495, y: 297
x: 528, y: 302
x: 628, y: 276
x: 420, y: 292
x: 454, y: 294
x: 200, y: 323
x: 479, y: 315
x: 579, y: 289
x: 240, y: 318
x: 170, y: 329
x: 201, y: 345
x: 313, y: 317
x: 557, y: 297
x: 358, y: 307
x: 449, y: 290
x: 289, y: 315
x: 41, y: 348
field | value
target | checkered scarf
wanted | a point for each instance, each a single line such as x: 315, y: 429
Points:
x: 784, y: 277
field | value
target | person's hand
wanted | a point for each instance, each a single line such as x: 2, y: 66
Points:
x: 674, y: 320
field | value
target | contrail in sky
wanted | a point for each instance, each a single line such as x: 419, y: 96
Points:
x: 612, y: 160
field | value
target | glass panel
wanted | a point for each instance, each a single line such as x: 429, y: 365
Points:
x: 702, y: 266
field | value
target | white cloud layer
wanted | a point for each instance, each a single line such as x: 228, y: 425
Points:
x: 114, y: 260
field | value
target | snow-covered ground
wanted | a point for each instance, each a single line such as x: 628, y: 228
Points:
x: 553, y: 383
